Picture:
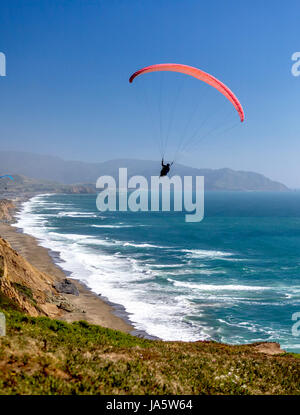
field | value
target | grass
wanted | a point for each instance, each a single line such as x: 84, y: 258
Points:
x: 25, y: 291
x: 6, y: 304
x: 44, y: 356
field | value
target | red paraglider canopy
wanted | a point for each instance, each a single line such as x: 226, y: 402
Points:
x: 196, y: 73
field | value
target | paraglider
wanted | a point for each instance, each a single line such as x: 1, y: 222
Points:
x: 208, y: 79
x: 165, y: 168
x: 196, y: 73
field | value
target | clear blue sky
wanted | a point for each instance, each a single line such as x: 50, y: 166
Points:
x: 66, y: 92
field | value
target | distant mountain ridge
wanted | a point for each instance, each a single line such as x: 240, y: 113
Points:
x: 55, y: 169
x: 22, y: 185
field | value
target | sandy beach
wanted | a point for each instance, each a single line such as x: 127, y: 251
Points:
x: 89, y: 306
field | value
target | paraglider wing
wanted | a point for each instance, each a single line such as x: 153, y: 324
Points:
x: 196, y: 73
x: 7, y: 175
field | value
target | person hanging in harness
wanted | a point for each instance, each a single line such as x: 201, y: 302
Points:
x: 165, y: 168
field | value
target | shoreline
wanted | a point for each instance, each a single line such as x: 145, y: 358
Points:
x: 89, y: 306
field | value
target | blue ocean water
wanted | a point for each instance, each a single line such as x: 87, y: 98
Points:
x: 234, y: 277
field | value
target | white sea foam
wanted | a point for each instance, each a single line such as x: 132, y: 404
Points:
x: 78, y: 214
x: 215, y: 287
x: 112, y: 226
x: 254, y: 328
x: 167, y: 265
x: 206, y: 254
x: 118, y: 225
x: 142, y: 245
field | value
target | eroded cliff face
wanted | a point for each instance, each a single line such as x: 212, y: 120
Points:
x: 31, y: 289
x: 6, y: 209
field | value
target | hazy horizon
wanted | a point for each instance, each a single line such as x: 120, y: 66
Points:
x: 129, y: 159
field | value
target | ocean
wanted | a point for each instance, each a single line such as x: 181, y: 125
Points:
x: 233, y: 278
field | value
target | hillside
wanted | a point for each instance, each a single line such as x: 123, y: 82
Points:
x: 22, y: 185
x: 54, y: 169
x: 31, y: 290
x: 42, y: 355
x: 7, y: 208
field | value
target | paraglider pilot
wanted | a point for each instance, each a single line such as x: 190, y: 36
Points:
x: 165, y: 168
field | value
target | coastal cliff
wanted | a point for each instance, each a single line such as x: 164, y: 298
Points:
x: 30, y: 289
x: 24, y: 187
x: 6, y: 209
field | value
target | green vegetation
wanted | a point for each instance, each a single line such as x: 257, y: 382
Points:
x: 44, y: 356
x: 25, y: 291
x: 7, y: 304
